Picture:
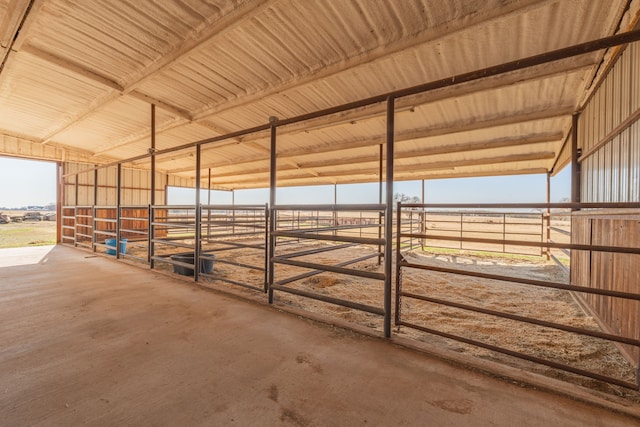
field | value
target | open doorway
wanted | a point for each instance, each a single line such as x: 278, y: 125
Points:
x: 27, y: 203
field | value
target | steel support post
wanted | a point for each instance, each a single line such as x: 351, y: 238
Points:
x: 198, y: 225
x: 548, y: 214
x: 93, y: 209
x: 575, y: 164
x: 118, y: 201
x: 152, y: 196
x: 388, y: 226
x: 272, y: 204
x: 59, y: 200
x: 380, y: 173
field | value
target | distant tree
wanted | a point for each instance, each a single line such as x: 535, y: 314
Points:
x: 400, y: 197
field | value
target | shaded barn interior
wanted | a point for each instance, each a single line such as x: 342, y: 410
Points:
x: 133, y: 98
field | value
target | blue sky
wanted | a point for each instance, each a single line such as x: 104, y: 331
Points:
x: 25, y: 182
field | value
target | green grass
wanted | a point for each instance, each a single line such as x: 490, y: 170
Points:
x: 21, y: 234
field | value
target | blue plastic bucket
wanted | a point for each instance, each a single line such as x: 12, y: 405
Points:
x: 111, y: 246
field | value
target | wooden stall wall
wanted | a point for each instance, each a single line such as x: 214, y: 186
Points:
x: 609, y: 136
x: 618, y: 272
x: 135, y: 186
x: 79, y: 190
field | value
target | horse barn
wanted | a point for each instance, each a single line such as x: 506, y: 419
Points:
x: 148, y: 312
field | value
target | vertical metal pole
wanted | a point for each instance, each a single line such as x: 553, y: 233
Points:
x: 266, y: 246
x: 461, y: 228
x: 93, y: 209
x: 77, y: 177
x: 388, y: 226
x: 152, y: 196
x: 335, y: 212
x: 198, y: 230
x: 118, y: 201
x: 272, y: 204
x: 209, y: 204
x: 575, y: 165
x: 380, y: 171
x: 233, y: 212
x: 548, y: 215
x: 60, y: 190
x: 398, y: 270
x: 504, y: 232
x: 423, y: 222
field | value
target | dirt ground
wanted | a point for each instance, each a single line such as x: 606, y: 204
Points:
x: 588, y: 353
x: 583, y: 352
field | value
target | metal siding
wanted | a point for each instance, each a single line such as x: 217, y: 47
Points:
x: 634, y: 168
x: 624, y: 166
x: 615, y: 170
x: 611, y: 173
x: 634, y: 52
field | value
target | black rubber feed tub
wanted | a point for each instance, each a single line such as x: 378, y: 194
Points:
x: 206, y: 265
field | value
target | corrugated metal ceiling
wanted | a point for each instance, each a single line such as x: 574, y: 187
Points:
x: 81, y: 76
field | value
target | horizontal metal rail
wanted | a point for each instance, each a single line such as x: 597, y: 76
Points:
x: 561, y: 231
x: 237, y: 264
x: 573, y: 246
x: 110, y: 220
x: 519, y: 355
x: 137, y: 258
x: 214, y: 276
x: 524, y: 319
x: 172, y: 243
x: 360, y: 240
x: 234, y: 245
x: 318, y: 250
x: 331, y: 300
x: 601, y: 205
x: 339, y: 227
x: 340, y: 270
x: 126, y: 218
x: 316, y: 272
x: 331, y: 208
x: 553, y: 285
x: 126, y: 230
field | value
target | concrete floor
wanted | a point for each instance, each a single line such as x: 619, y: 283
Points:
x: 86, y: 340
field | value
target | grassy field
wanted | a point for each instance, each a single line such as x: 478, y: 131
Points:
x: 30, y: 233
